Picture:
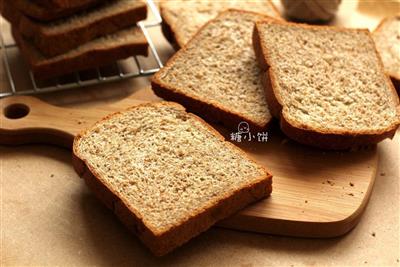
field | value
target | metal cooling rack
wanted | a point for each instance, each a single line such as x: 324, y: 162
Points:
x: 99, y: 78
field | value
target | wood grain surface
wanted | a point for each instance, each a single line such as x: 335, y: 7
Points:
x: 316, y: 193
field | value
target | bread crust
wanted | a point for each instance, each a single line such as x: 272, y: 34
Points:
x: 213, y: 112
x: 52, y: 44
x: 47, y: 14
x: 172, y: 36
x: 333, y: 140
x: 90, y: 59
x: 160, y: 243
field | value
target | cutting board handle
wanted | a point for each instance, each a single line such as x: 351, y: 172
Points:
x: 26, y: 119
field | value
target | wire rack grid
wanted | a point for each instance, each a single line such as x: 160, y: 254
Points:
x: 99, y: 78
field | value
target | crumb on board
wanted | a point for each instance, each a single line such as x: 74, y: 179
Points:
x: 351, y: 194
x: 51, y: 175
x: 330, y: 182
x: 365, y: 261
x: 351, y: 184
x: 305, y: 201
x: 383, y: 174
x: 373, y: 234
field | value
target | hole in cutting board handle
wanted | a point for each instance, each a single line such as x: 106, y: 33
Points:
x: 16, y: 111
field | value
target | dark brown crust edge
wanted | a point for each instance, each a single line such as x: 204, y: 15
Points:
x: 161, y: 244
x: 58, y: 43
x: 208, y: 111
x: 88, y: 60
x: 167, y: 31
x: 342, y: 141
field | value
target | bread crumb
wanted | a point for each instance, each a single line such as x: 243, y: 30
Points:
x: 373, y: 234
x: 351, y: 194
x: 365, y: 261
x: 383, y: 174
x: 305, y: 201
x: 52, y: 175
x: 351, y: 184
x: 330, y: 182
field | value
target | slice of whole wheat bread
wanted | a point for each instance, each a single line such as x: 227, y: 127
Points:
x: 63, y: 3
x: 100, y: 51
x: 183, y: 18
x: 387, y: 40
x: 63, y: 35
x: 326, y: 84
x: 165, y: 173
x: 216, y: 74
x: 43, y: 13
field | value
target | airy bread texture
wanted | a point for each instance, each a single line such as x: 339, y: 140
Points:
x: 42, y: 13
x: 216, y: 74
x: 326, y: 84
x: 183, y: 18
x: 165, y: 173
x: 65, y: 34
x: 387, y: 40
x: 100, y: 51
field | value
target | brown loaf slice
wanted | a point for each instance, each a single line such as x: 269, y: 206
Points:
x: 43, y: 13
x: 326, y: 85
x: 65, y: 34
x: 165, y: 173
x: 100, y: 51
x: 63, y: 3
x: 387, y: 40
x: 216, y: 75
x: 183, y: 18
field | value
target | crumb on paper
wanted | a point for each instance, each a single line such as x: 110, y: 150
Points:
x: 365, y: 261
x: 351, y: 184
x: 330, y: 182
x: 373, y: 234
x: 383, y: 174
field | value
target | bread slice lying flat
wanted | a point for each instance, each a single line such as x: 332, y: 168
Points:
x: 182, y: 18
x: 65, y: 34
x: 63, y: 3
x: 42, y: 13
x: 326, y: 85
x: 165, y: 173
x: 387, y: 40
x: 100, y: 51
x: 216, y: 74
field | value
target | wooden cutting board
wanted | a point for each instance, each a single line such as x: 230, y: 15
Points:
x: 316, y: 193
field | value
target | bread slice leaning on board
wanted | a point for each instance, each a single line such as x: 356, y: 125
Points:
x: 216, y: 76
x: 62, y: 35
x: 387, y: 40
x: 326, y: 85
x: 183, y: 18
x: 165, y: 173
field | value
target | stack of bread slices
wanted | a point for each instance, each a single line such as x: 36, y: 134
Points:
x: 58, y: 37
